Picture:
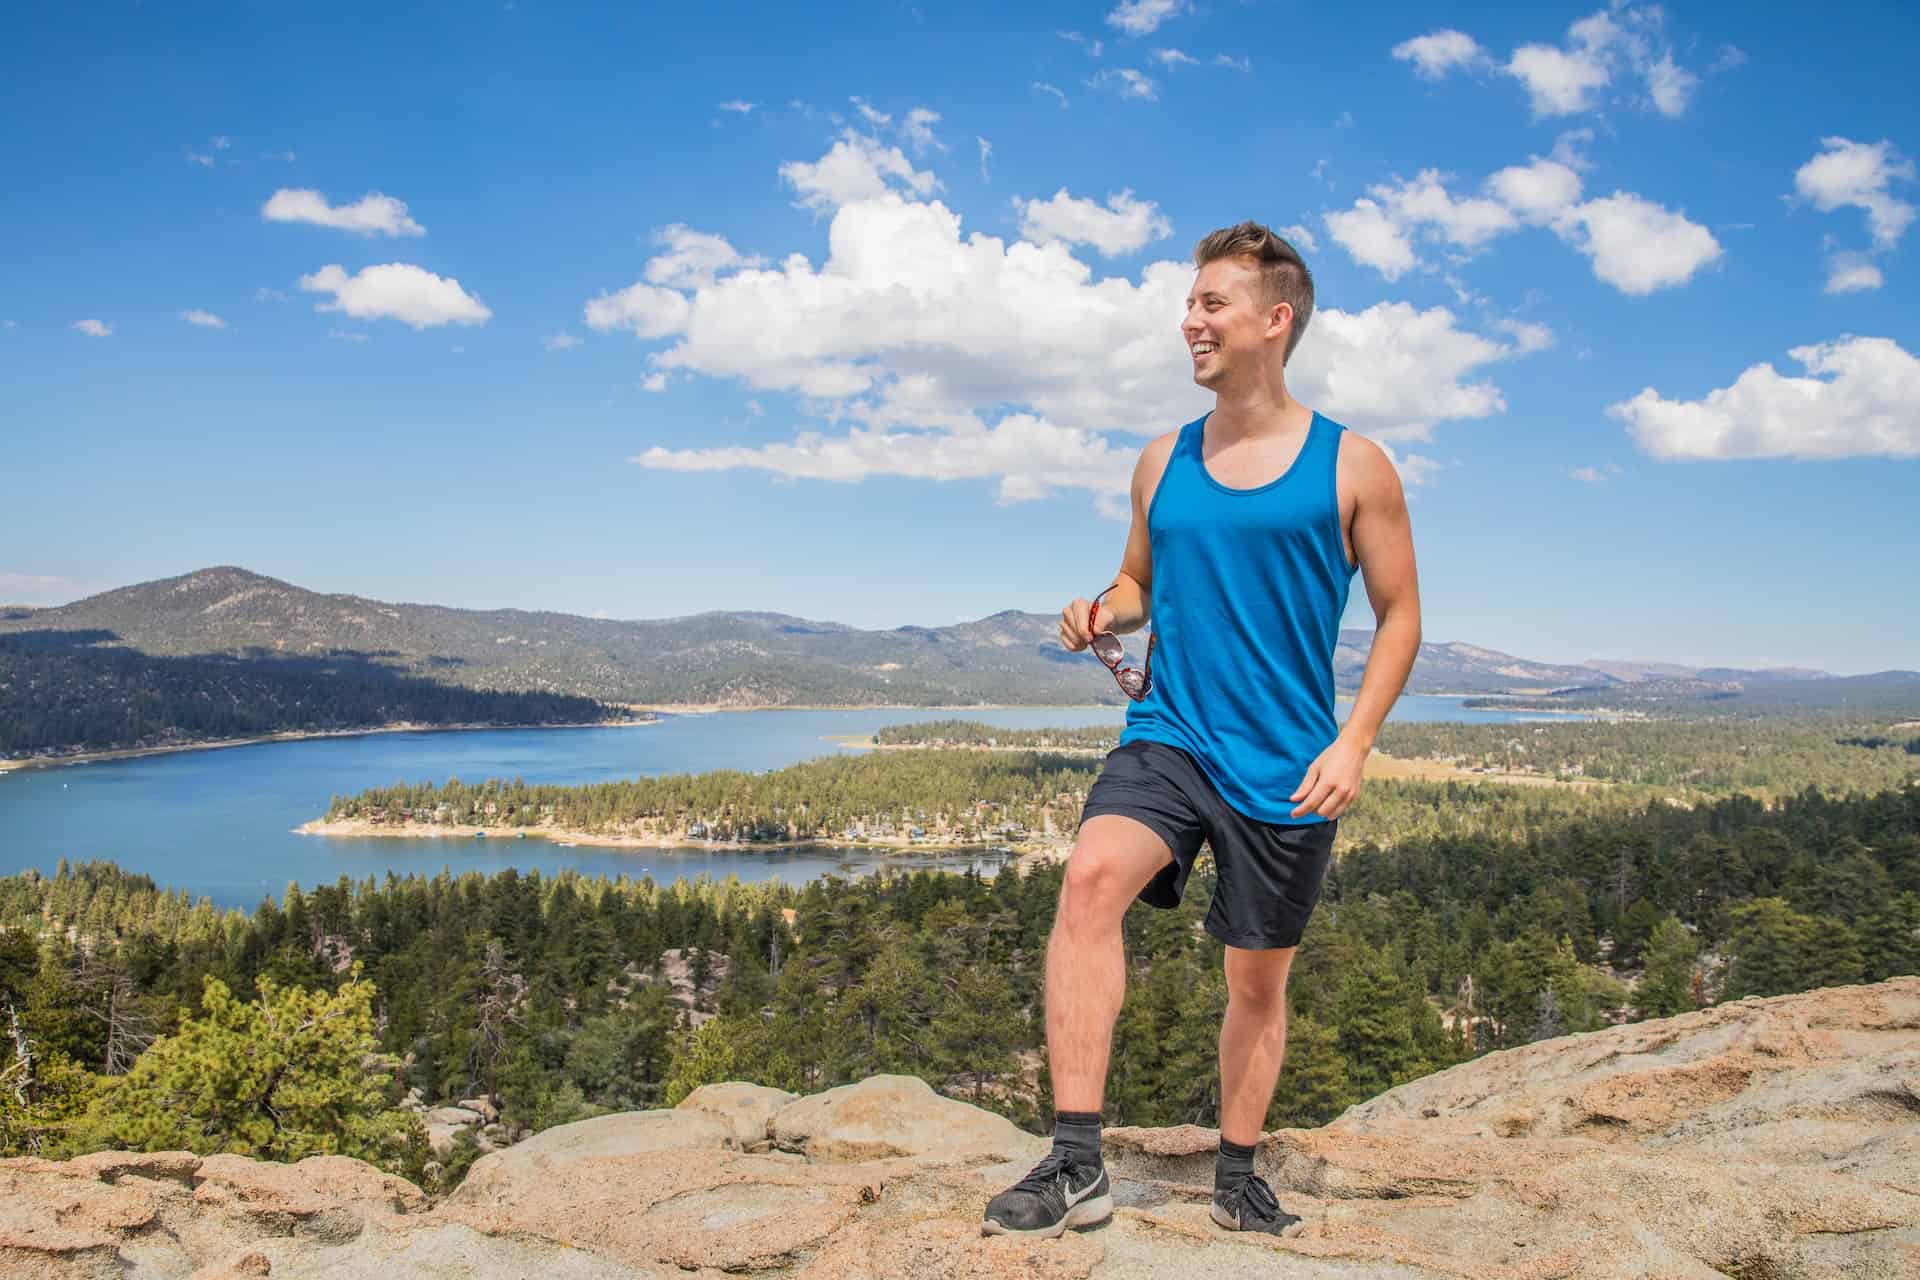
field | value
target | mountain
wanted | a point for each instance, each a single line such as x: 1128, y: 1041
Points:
x: 747, y: 658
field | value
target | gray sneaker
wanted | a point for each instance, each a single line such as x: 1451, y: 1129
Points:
x: 1251, y: 1206
x: 1058, y: 1194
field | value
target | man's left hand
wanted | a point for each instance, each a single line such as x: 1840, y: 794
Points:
x: 1333, y: 780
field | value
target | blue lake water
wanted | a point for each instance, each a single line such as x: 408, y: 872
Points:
x: 220, y: 823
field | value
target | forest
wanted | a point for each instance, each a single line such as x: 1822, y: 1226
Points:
x: 1493, y: 918
x: 67, y: 691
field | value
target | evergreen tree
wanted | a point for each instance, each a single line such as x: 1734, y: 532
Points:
x: 1666, y: 985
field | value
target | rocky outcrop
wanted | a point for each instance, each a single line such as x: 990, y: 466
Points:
x: 1774, y: 1139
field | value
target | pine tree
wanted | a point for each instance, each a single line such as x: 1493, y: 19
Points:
x: 1666, y: 985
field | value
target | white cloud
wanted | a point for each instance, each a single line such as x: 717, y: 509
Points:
x: 654, y: 382
x: 1587, y: 475
x: 1857, y: 401
x: 1435, y: 54
x: 1094, y: 48
x: 1558, y: 82
x: 1175, y: 58
x: 1566, y: 80
x: 642, y: 309
x: 562, y: 342
x: 1043, y: 87
x: 1635, y: 245
x: 1415, y: 469
x: 1638, y: 246
x: 692, y: 258
x: 1236, y: 64
x: 869, y: 113
x: 286, y: 156
x: 222, y: 143
x: 1852, y: 273
x: 203, y: 319
x: 1144, y: 17
x: 754, y: 408
x: 917, y: 128
x: 346, y: 335
x: 1124, y: 226
x: 1300, y: 238
x: 396, y: 290
x: 372, y: 214
x: 1858, y: 174
x: 93, y: 328
x: 1539, y: 191
x: 200, y: 158
x: 1128, y: 83
x: 1670, y: 86
x: 1731, y: 56
x: 986, y: 154
x: 738, y: 105
x: 1528, y: 336
x: 856, y: 168
x: 264, y: 294
x: 947, y: 355
x: 1372, y: 238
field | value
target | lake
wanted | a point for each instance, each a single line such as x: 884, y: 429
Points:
x: 220, y: 823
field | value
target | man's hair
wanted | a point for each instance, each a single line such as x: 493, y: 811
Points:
x: 1283, y: 273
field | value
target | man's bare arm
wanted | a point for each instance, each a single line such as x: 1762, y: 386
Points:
x: 1383, y: 546
x: 1129, y: 605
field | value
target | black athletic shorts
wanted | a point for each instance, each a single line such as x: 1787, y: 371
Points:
x: 1268, y: 874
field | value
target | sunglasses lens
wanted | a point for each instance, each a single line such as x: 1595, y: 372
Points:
x: 1106, y: 647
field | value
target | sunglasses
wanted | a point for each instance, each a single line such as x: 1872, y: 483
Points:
x: 1135, y: 682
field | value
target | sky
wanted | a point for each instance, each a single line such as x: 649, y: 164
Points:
x: 648, y: 311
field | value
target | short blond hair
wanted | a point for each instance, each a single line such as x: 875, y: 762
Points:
x: 1283, y: 272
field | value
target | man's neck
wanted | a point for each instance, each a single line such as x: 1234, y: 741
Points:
x: 1262, y: 410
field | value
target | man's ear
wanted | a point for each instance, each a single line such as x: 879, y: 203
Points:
x: 1279, y: 319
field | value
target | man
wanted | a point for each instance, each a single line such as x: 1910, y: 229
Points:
x: 1247, y: 527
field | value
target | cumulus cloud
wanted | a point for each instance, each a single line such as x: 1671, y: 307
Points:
x: 1124, y: 226
x: 1856, y: 400
x: 1635, y: 245
x: 1144, y: 17
x: 1852, y: 273
x: 1858, y: 174
x: 1435, y: 54
x: 1128, y: 83
x: 1300, y: 237
x: 943, y: 354
x: 94, y: 328
x: 1638, y: 246
x: 562, y: 342
x: 203, y: 319
x: 692, y: 258
x: 371, y: 215
x: 1175, y: 58
x: 917, y: 128
x: 654, y: 382
x: 1566, y: 79
x: 642, y: 309
x: 857, y: 167
x: 399, y: 291
x: 868, y: 112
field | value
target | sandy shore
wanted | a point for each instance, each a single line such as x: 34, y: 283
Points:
x: 134, y: 753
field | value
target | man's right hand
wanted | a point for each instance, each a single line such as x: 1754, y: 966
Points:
x: 1076, y: 630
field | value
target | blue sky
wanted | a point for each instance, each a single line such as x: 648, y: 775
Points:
x: 649, y: 312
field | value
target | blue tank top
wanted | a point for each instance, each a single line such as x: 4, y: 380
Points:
x: 1248, y: 589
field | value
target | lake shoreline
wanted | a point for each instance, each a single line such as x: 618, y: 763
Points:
x: 291, y: 735
x: 360, y: 828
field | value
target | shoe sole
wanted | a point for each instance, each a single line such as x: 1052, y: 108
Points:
x: 1085, y: 1214
x: 1221, y: 1218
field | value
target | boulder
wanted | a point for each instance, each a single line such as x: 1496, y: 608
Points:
x: 482, y: 1107
x: 885, y: 1116
x: 746, y: 1107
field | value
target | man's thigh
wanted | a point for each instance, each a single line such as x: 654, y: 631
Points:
x: 1119, y: 853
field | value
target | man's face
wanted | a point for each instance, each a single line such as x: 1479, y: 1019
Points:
x: 1227, y: 325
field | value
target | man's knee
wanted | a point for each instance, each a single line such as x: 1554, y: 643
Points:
x: 1257, y: 980
x: 1095, y: 887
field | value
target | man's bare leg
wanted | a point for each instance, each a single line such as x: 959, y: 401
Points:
x: 1253, y: 1045
x: 1112, y: 861
x: 1253, y: 1039
x: 1086, y: 979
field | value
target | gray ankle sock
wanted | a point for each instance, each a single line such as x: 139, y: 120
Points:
x: 1079, y: 1132
x: 1233, y: 1165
